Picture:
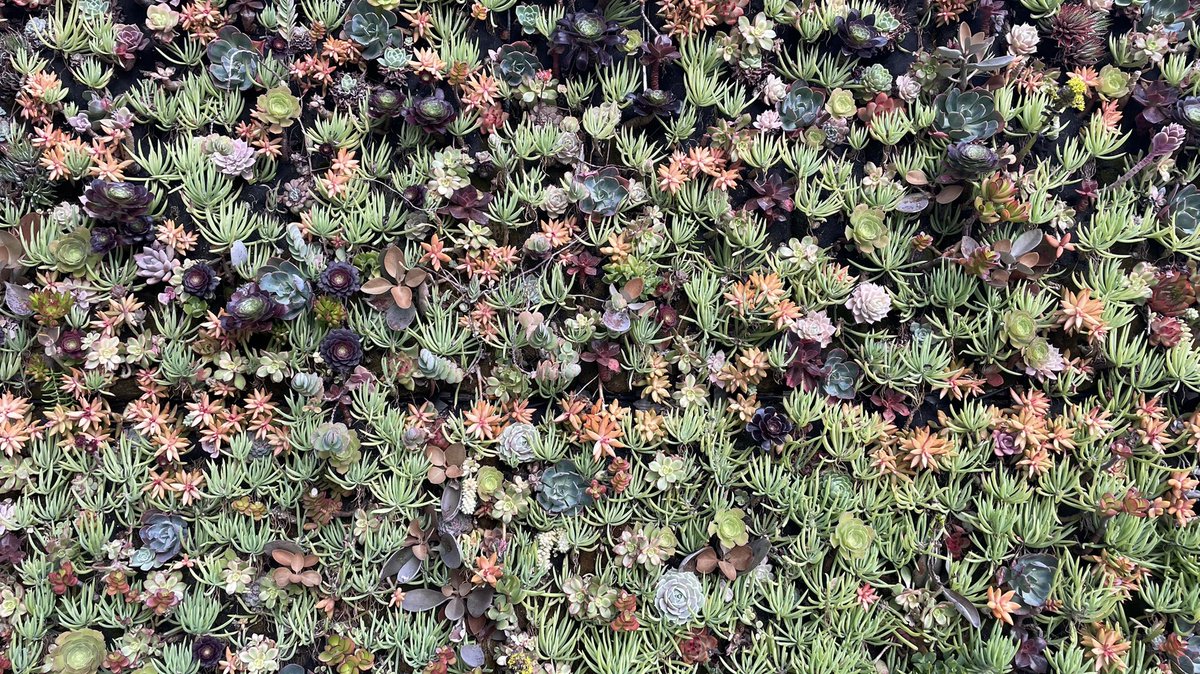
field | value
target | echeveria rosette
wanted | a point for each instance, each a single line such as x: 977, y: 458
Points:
x: 729, y: 526
x: 162, y: 538
x: 851, y: 536
x: 584, y: 40
x: 277, y: 108
x: 371, y: 28
x: 769, y: 427
x: 342, y: 349
x: 679, y: 596
x: 432, y: 113
x: 800, y: 107
x: 562, y: 490
x: 602, y: 192
x: 968, y: 160
x: 840, y: 375
x: 286, y: 285
x: 79, y: 651
x: 117, y: 202
x: 250, y: 308
x: 234, y: 59
x: 868, y: 229
x: 859, y: 36
x: 514, y: 446
x: 966, y: 115
x: 72, y: 253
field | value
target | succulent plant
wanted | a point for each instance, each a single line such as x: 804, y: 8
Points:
x: 868, y: 229
x: 841, y: 375
x: 859, y: 36
x: 851, y: 536
x: 969, y: 160
x: 601, y: 192
x: 769, y: 427
x: 515, y: 443
x: 800, y: 107
x: 342, y: 349
x: 277, y: 108
x: 431, y: 113
x: 251, y: 308
x: 337, y: 444
x: 118, y: 202
x: 340, y: 279
x: 585, y: 40
x: 966, y: 116
x: 234, y: 60
x: 516, y: 62
x: 562, y: 490
x: 77, y: 652
x: 397, y: 290
x: 729, y: 526
x: 287, y: 287
x: 679, y: 596
x: 371, y: 28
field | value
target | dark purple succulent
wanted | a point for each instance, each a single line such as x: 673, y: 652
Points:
x: 859, y: 36
x: 657, y: 53
x: 103, y: 239
x: 115, y: 201
x: 654, y: 103
x: 342, y: 349
x: 968, y: 160
x: 607, y: 357
x: 137, y: 231
x: 432, y: 113
x: 340, y: 279
x: 466, y: 204
x: 250, y: 308
x: 585, y: 38
x: 385, y: 103
x: 200, y: 280
x: 1158, y: 100
x: 12, y: 549
x: 1029, y: 657
x: 769, y: 427
x: 70, y: 344
x: 774, y: 198
x: 208, y: 650
x: 807, y: 367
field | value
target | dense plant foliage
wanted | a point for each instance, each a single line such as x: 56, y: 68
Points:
x: 743, y: 336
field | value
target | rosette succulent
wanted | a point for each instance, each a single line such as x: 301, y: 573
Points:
x: 800, y: 107
x: 515, y: 443
x: 251, y: 308
x: 851, y: 536
x: 562, y: 490
x: 601, y: 192
x: 859, y: 36
x: 966, y: 115
x: 162, y: 537
x: 969, y: 160
x: 370, y: 27
x: 431, y: 113
x: 584, y: 40
x: 287, y: 287
x: 868, y: 230
x: 200, y: 280
x: 340, y: 279
x: 679, y: 596
x: 338, y: 444
x: 72, y: 253
x: 77, y: 652
x: 234, y: 59
x: 729, y: 526
x: 118, y: 202
x: 342, y: 349
x: 769, y: 427
x: 1183, y: 210
x: 516, y: 62
x: 840, y: 375
x: 277, y: 108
